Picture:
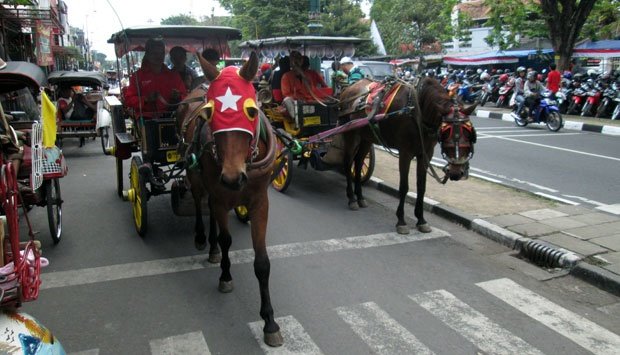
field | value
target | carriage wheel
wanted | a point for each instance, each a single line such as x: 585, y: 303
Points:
x: 137, y: 195
x: 119, y: 177
x: 368, y: 166
x: 104, y: 133
x: 54, y: 208
x: 284, y: 159
x: 242, y: 213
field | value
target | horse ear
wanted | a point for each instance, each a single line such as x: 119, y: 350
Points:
x: 469, y: 109
x: 208, y: 69
x: 250, y: 68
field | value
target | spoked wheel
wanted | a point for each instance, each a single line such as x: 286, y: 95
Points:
x: 242, y: 214
x: 138, y: 196
x: 368, y: 166
x: 54, y: 208
x: 284, y: 162
x: 119, y: 177
x: 104, y: 133
x: 554, y: 121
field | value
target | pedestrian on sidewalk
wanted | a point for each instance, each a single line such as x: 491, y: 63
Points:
x: 553, y: 79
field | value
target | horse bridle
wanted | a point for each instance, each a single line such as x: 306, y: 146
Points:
x: 452, y: 135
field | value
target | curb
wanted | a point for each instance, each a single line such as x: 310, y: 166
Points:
x: 572, y: 125
x: 604, y: 279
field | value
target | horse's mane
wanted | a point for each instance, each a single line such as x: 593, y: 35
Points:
x: 433, y: 99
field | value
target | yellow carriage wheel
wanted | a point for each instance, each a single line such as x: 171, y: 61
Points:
x: 283, y: 163
x: 138, y: 196
x: 368, y: 166
x: 242, y: 213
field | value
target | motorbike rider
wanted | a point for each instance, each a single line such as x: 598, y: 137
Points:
x: 519, y: 89
x: 532, y: 90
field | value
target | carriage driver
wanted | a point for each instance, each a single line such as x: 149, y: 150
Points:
x: 154, y: 87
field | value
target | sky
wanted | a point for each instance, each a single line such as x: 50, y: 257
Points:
x: 97, y: 18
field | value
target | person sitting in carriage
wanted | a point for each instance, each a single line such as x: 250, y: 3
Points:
x: 154, y: 89
x: 72, y: 106
x: 178, y: 58
x: 298, y: 86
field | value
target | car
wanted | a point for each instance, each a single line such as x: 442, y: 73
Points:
x: 371, y: 69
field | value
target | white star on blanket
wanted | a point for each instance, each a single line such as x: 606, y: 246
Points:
x: 228, y: 100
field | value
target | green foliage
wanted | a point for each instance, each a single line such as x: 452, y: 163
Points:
x: 413, y: 23
x: 525, y: 19
x: 18, y: 2
x: 180, y: 19
x: 604, y: 21
x: 344, y: 18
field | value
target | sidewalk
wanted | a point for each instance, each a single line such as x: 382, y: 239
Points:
x: 583, y: 241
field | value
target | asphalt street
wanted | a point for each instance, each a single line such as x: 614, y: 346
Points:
x: 574, y: 167
x: 342, y: 281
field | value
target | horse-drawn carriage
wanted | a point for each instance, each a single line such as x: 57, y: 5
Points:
x: 40, y: 168
x: 88, y: 117
x: 297, y: 133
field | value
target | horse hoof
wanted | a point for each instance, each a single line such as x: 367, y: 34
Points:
x: 353, y: 206
x: 274, y: 339
x: 225, y: 286
x: 425, y: 228
x: 362, y: 203
x: 215, y: 258
x: 200, y: 246
x: 402, y: 229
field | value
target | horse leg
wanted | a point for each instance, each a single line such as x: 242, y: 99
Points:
x: 200, y: 240
x: 363, y: 150
x: 224, y: 239
x: 404, y: 163
x: 421, y: 167
x: 262, y: 267
x: 348, y: 160
x: 215, y: 256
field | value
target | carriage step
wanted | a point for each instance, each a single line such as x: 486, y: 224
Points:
x: 80, y: 134
x: 183, y: 202
x: 125, y: 138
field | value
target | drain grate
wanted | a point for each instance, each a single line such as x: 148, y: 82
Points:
x: 543, y: 255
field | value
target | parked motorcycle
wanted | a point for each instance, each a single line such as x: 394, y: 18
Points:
x: 489, y: 91
x: 616, y: 114
x: 607, y: 101
x: 578, y: 99
x: 592, y: 100
x: 545, y: 112
x: 505, y: 92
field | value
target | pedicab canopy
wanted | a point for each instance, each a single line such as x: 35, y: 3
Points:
x: 312, y: 46
x: 78, y: 78
x: 19, y: 75
x: 192, y: 38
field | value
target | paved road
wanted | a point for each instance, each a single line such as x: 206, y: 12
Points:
x: 574, y: 167
x: 342, y: 282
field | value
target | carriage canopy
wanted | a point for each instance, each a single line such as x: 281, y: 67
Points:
x: 192, y: 38
x: 19, y: 75
x: 312, y: 46
x: 78, y: 78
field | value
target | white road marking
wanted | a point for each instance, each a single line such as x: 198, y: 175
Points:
x: 580, y: 330
x: 484, y: 135
x: 586, y: 200
x: 515, y: 180
x: 187, y: 263
x: 556, y: 198
x: 485, y: 178
x: 379, y: 331
x: 190, y: 343
x: 613, y: 209
x: 296, y: 340
x: 487, y: 335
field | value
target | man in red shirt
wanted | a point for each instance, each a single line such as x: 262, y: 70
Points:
x: 553, y: 79
x: 158, y: 86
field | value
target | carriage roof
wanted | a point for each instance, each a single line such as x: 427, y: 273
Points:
x: 82, y: 78
x: 188, y: 37
x: 18, y: 75
x: 312, y: 46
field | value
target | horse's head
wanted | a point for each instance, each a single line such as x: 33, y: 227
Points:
x: 456, y: 138
x: 232, y: 115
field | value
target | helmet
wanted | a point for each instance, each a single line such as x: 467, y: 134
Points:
x: 521, y: 69
x: 485, y: 76
x: 407, y: 74
x: 479, y: 71
x: 568, y: 75
x: 499, y: 71
x: 532, y: 74
x: 503, y: 78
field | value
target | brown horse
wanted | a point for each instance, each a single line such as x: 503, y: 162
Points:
x: 230, y: 159
x: 413, y: 128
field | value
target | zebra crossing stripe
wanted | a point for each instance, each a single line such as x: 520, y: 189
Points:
x: 190, y: 343
x: 245, y: 256
x: 379, y: 331
x: 587, y: 334
x: 487, y: 335
x: 296, y: 340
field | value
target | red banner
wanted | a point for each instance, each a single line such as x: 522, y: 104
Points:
x: 44, y: 45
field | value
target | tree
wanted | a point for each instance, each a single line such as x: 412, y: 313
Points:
x: 180, y: 19
x: 407, y: 26
x: 604, y: 21
x: 559, y: 20
x: 262, y: 19
x: 345, y: 18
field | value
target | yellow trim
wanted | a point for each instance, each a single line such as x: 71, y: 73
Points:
x: 250, y: 103
x: 387, y: 107
x: 207, y: 110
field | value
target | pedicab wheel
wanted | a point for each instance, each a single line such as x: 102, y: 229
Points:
x: 104, y: 134
x: 54, y: 208
x: 119, y: 177
x: 242, y: 214
x: 554, y: 121
x: 137, y: 195
x: 368, y: 166
x: 283, y: 162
